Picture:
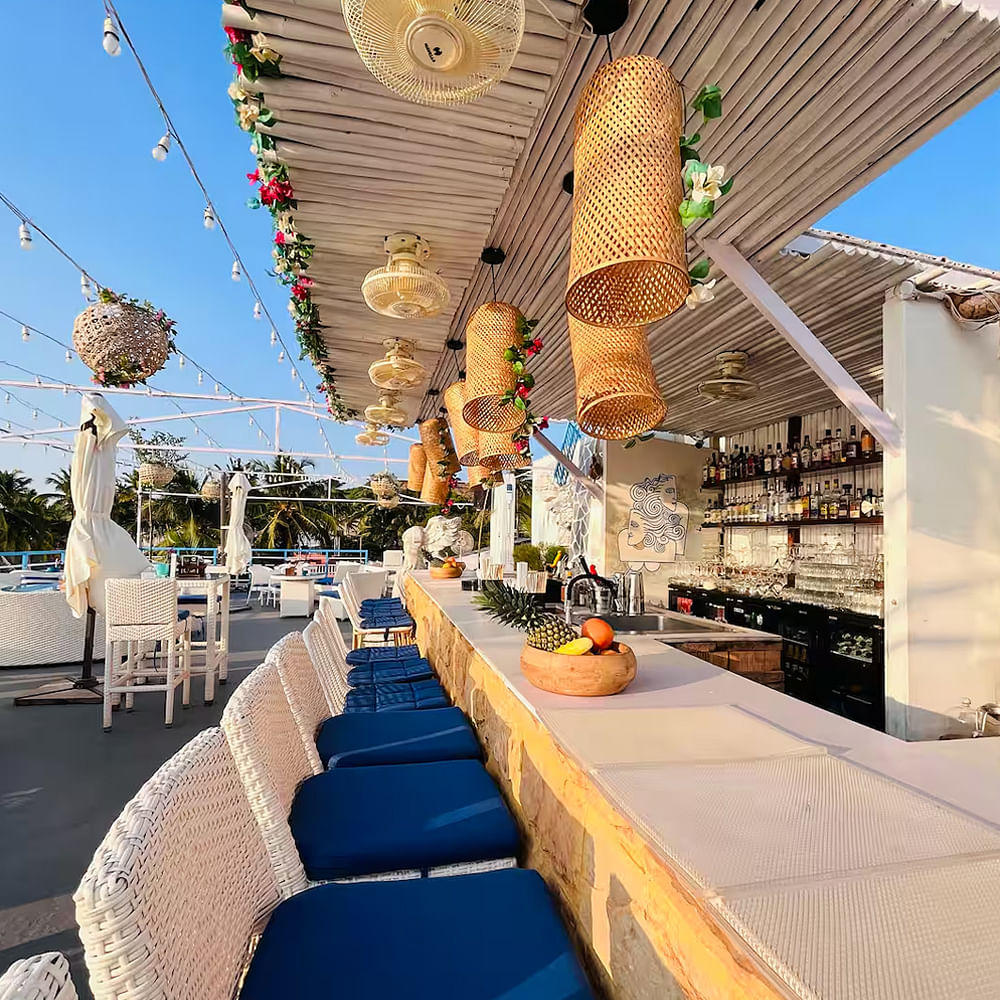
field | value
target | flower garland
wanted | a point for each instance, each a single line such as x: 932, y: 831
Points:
x: 291, y: 251
x: 524, y: 381
x: 124, y: 376
x: 704, y: 184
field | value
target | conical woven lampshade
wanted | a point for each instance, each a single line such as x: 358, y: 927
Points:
x: 616, y: 392
x: 491, y: 329
x: 497, y: 453
x: 442, y: 462
x: 415, y: 469
x: 434, y: 490
x: 627, y: 261
x: 466, y: 437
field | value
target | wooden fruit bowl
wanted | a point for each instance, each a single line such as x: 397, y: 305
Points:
x: 585, y: 676
x: 447, y: 572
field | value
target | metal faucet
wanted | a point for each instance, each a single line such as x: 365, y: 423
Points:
x: 600, y: 588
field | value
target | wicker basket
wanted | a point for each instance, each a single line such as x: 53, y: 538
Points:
x: 118, y: 337
x: 466, y: 437
x: 434, y: 490
x: 497, y: 453
x: 628, y: 265
x: 491, y: 329
x: 155, y: 474
x: 415, y: 469
x: 439, y: 447
x: 616, y: 392
x: 384, y: 485
x: 211, y: 490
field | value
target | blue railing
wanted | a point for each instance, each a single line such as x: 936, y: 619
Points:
x: 32, y: 558
x: 26, y: 559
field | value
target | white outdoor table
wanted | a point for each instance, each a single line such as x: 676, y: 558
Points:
x: 296, y: 597
x: 216, y: 646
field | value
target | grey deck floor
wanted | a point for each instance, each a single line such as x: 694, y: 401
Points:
x: 63, y: 781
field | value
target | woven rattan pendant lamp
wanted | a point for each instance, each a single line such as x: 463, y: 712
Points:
x: 498, y: 453
x: 434, y: 490
x: 415, y: 468
x: 616, y: 392
x: 491, y: 329
x: 466, y: 437
x: 627, y: 261
x: 442, y: 462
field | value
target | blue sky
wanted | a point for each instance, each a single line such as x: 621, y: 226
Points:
x: 77, y: 158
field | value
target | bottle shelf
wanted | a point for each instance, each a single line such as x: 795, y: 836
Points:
x: 798, y: 523
x: 816, y: 470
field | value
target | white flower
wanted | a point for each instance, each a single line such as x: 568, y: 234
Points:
x: 248, y: 113
x: 261, y: 51
x: 706, y: 186
x: 236, y: 92
x: 700, y: 293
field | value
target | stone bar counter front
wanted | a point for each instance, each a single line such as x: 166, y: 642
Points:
x: 709, y: 837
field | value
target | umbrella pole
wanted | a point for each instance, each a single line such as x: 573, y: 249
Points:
x: 87, y: 679
x: 83, y: 690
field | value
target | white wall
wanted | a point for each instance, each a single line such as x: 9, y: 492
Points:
x: 942, y: 523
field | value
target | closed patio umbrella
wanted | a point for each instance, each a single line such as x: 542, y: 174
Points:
x: 238, y: 548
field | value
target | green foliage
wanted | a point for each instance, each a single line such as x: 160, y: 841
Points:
x: 171, y: 458
x: 530, y: 554
x: 708, y: 101
x: 27, y: 519
x: 699, y: 272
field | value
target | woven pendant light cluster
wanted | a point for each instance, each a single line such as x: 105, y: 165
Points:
x: 441, y: 460
x: 415, y: 468
x: 628, y: 265
x: 466, y: 437
x: 491, y: 329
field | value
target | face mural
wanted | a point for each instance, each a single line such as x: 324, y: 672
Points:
x: 657, y: 525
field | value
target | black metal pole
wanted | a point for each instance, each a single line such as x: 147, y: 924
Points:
x: 87, y: 679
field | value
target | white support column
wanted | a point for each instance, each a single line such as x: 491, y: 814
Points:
x: 503, y: 522
x: 942, y: 532
x: 774, y: 309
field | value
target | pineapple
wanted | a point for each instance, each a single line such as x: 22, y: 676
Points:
x: 520, y: 610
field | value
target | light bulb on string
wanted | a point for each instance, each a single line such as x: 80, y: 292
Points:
x: 257, y: 310
x: 38, y: 380
x: 294, y: 374
x: 302, y: 387
x: 85, y: 286
x: 251, y: 422
x: 24, y: 235
x: 65, y: 390
x: 274, y: 337
x: 208, y: 217
x: 25, y: 334
x: 201, y: 378
x: 6, y: 398
x: 236, y: 273
x: 110, y: 41
x: 161, y: 149
x: 34, y: 414
x: 69, y: 357
x: 281, y: 356
x: 216, y: 389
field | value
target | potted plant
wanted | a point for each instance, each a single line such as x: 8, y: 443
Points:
x: 157, y: 468
x: 558, y: 657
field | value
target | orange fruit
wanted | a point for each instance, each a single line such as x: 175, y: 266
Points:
x: 599, y: 632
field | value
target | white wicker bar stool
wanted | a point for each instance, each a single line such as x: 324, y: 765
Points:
x: 353, y: 591
x: 141, y: 613
x: 41, y: 977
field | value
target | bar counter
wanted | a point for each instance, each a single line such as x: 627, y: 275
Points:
x: 709, y: 837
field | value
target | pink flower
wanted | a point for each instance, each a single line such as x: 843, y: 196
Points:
x: 279, y: 237
x: 237, y: 35
x: 522, y: 391
x: 254, y: 177
x: 543, y: 424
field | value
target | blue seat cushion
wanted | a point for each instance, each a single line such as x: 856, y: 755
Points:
x: 494, y: 936
x: 359, y: 739
x: 192, y: 599
x: 183, y: 615
x: 387, y: 621
x: 366, y: 820
x: 325, y: 580
x: 396, y: 696
x: 366, y: 674
x: 373, y: 654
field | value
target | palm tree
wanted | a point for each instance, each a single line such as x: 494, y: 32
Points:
x: 188, y: 536
x: 26, y: 520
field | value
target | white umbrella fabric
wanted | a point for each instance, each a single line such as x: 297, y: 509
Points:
x: 238, y: 549
x: 97, y: 549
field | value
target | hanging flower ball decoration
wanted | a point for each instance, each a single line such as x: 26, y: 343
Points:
x: 122, y: 340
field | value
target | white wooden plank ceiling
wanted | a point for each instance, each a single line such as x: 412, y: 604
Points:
x: 820, y: 97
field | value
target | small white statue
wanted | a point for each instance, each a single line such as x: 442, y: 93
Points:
x: 442, y: 533
x: 413, y: 543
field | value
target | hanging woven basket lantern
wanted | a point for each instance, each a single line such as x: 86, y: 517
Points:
x: 155, y: 475
x: 466, y: 437
x: 498, y: 453
x: 439, y: 448
x: 491, y: 329
x: 415, y: 469
x: 628, y: 266
x: 384, y: 484
x: 434, y: 490
x: 211, y: 490
x: 388, y: 503
x: 616, y: 392
x: 120, y: 342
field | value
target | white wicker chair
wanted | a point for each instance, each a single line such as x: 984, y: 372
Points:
x: 140, y: 613
x: 330, y: 668
x: 357, y: 588
x: 260, y: 584
x: 180, y: 886
x: 37, y: 627
x: 41, y: 977
x: 302, y: 686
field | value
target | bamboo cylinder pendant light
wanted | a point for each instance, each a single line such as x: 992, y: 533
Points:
x: 627, y: 261
x: 415, y: 469
x: 442, y: 462
x: 435, y: 490
x: 497, y: 452
x: 466, y: 437
x: 491, y: 329
x: 616, y: 392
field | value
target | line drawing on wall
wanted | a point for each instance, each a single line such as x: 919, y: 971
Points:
x: 657, y: 527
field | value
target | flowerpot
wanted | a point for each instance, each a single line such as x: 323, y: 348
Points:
x: 584, y: 676
x: 447, y: 572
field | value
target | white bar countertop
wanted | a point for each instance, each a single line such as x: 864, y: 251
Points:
x: 855, y: 865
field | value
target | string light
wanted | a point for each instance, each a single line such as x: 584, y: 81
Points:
x: 201, y: 377
x: 216, y: 390
x: 65, y: 390
x: 24, y: 235
x: 180, y: 360
x: 294, y: 374
x: 281, y: 356
x: 236, y: 273
x: 25, y: 334
x: 161, y: 149
x: 6, y: 399
x: 69, y: 357
x: 274, y: 336
x: 251, y: 421
x: 302, y: 387
x: 84, y: 286
x: 110, y: 41
x: 256, y: 309
x: 34, y: 414
x: 209, y: 217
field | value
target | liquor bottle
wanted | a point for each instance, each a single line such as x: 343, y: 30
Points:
x: 805, y: 504
x: 751, y: 463
x: 769, y: 460
x: 760, y: 462
x: 742, y: 470
x: 844, y: 503
x: 712, y: 475
x: 817, y: 458
x: 837, y: 448
x: 797, y: 504
x: 880, y: 504
x: 779, y: 457
x: 795, y: 454
x: 814, y: 504
x: 855, y: 506
x: 786, y: 458
x: 806, y: 455
x: 852, y: 449
x: 824, y: 501
x: 723, y: 467
x: 868, y: 505
x: 827, y: 446
x: 867, y: 443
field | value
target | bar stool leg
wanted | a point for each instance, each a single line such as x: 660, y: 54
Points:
x: 108, y: 683
x: 168, y: 715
